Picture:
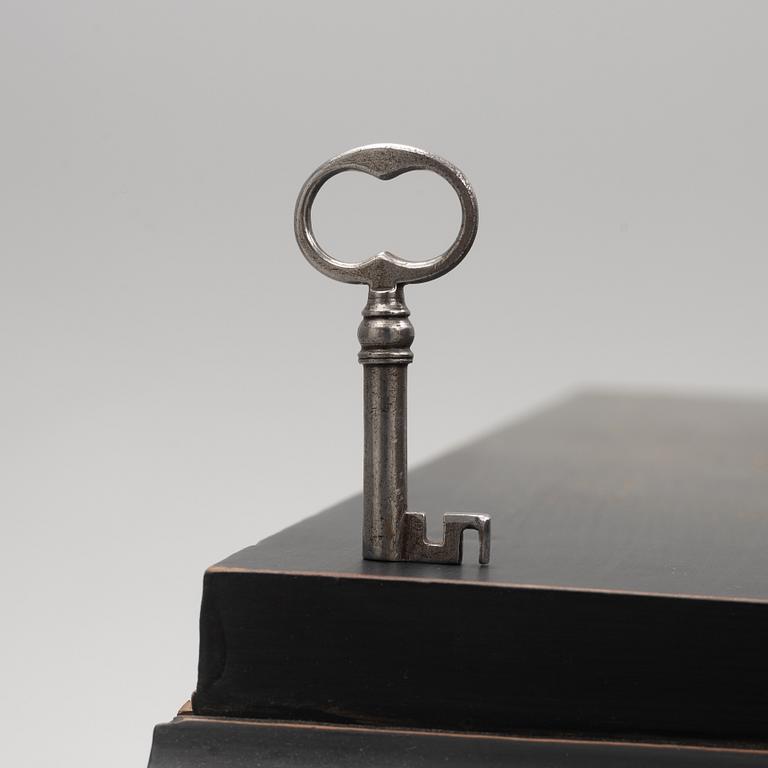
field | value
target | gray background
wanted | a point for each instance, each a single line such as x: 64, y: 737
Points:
x: 178, y: 383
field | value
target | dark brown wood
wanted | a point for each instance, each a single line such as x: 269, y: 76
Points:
x: 627, y: 595
x: 201, y: 743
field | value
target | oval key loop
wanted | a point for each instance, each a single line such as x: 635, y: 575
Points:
x: 385, y: 270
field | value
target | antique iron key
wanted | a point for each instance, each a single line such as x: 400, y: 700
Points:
x: 390, y: 531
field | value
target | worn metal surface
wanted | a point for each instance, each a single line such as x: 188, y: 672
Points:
x: 390, y: 531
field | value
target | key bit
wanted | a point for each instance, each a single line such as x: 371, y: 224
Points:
x: 390, y: 531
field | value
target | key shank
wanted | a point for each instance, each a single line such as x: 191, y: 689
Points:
x: 385, y: 336
x: 390, y: 531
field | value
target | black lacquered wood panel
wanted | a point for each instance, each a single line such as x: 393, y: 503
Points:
x: 627, y: 595
x: 197, y: 743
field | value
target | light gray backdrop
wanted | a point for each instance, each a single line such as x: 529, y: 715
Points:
x: 178, y: 383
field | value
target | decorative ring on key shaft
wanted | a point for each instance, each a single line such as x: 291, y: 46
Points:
x: 390, y: 531
x: 386, y: 333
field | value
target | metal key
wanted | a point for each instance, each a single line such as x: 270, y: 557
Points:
x: 390, y: 531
